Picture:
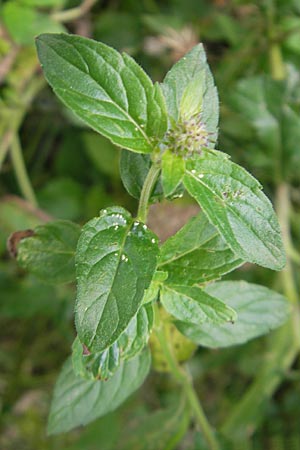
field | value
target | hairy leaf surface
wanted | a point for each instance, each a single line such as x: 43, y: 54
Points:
x: 102, y: 365
x: 259, y: 310
x: 110, y: 92
x: 50, y: 253
x: 77, y: 401
x: 115, y: 260
x: 190, y: 82
x: 194, y: 305
x: 234, y: 203
x: 197, y: 254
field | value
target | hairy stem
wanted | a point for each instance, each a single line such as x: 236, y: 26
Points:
x: 20, y: 171
x: 148, y: 187
x: 183, y: 378
x: 178, y: 372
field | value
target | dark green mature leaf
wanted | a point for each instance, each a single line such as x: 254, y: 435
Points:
x: 108, y: 91
x: 160, y: 430
x: 194, y: 305
x: 50, y: 253
x: 77, y: 401
x: 132, y: 341
x: 259, y: 310
x: 134, y: 168
x: 234, y: 203
x: 196, y: 254
x: 115, y: 260
x: 189, y: 89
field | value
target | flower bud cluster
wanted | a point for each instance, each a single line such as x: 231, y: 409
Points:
x: 188, y: 137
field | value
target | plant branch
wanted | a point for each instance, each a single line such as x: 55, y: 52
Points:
x: 148, y: 187
x: 284, y: 346
x: 283, y: 206
x: 183, y: 378
x: 16, y: 117
x: 277, y: 66
x: 74, y: 13
x: 20, y: 171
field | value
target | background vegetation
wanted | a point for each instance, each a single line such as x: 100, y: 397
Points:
x: 53, y: 167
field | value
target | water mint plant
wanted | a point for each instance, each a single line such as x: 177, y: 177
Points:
x: 134, y: 296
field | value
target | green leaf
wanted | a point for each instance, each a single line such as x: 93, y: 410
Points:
x: 95, y: 366
x: 49, y: 254
x: 115, y: 260
x: 110, y: 92
x: 234, y: 203
x: 259, y: 310
x: 23, y: 23
x: 16, y: 215
x: 196, y: 254
x: 160, y: 430
x: 172, y: 172
x: 194, y: 305
x: 135, y: 337
x: 134, y: 168
x: 77, y: 401
x: 271, y: 108
x: 151, y: 293
x: 102, y: 365
x: 189, y: 86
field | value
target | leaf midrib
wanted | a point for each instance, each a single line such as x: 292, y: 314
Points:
x: 130, y: 119
x: 249, y: 226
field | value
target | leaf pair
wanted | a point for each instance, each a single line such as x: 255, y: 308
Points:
x: 102, y: 365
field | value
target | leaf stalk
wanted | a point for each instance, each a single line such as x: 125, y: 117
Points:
x: 148, y: 187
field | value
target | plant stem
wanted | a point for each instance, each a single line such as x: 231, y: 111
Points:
x: 20, y: 171
x: 146, y: 192
x: 183, y: 378
x: 277, y: 66
x: 16, y: 117
x: 285, y: 345
x: 283, y: 206
x: 179, y: 374
x: 74, y: 13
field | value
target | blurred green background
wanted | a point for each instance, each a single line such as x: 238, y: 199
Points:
x: 253, y: 49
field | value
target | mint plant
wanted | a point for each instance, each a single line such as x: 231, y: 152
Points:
x: 134, y: 296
